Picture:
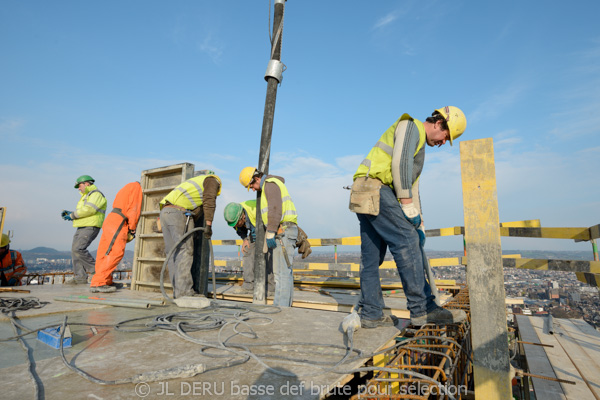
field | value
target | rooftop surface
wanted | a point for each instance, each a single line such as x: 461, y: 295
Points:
x: 245, y: 351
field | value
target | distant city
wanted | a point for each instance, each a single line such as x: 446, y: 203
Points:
x: 543, y: 292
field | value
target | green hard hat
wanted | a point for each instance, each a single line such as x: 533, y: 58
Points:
x: 232, y: 213
x: 83, y: 178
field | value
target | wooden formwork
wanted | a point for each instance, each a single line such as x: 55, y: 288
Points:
x: 149, y: 253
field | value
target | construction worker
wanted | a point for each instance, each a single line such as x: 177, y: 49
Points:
x: 117, y: 230
x: 12, y: 267
x: 242, y: 218
x: 280, y: 218
x: 385, y: 196
x: 87, y: 218
x: 191, y: 204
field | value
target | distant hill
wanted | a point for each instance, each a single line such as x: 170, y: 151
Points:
x: 44, y: 250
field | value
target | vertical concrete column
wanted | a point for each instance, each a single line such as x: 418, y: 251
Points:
x: 485, y: 278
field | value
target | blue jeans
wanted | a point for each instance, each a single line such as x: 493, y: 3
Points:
x: 391, y: 229
x: 284, y: 277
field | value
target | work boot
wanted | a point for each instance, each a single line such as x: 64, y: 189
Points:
x: 440, y: 316
x: 386, y: 320
x: 117, y: 285
x: 103, y: 289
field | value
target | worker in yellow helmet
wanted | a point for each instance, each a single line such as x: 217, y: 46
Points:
x: 279, y: 215
x: 87, y: 218
x: 12, y: 267
x: 190, y: 205
x: 242, y: 218
x: 385, y: 196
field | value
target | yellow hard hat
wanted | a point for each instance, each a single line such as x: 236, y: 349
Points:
x: 5, y: 240
x: 457, y: 122
x: 246, y: 176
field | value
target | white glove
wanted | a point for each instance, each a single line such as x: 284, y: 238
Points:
x: 410, y: 210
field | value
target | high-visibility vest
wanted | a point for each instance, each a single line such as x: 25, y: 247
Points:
x: 288, y: 212
x: 250, y: 207
x: 13, y: 272
x: 189, y: 194
x: 378, y: 163
x: 91, y: 199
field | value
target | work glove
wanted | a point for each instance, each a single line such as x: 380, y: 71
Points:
x: 422, y: 237
x: 253, y: 234
x: 271, y: 243
x: 412, y: 214
x: 130, y: 236
x: 67, y: 215
x: 208, y: 232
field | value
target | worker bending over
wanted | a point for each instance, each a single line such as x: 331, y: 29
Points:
x: 280, y: 218
x: 385, y: 196
x: 190, y: 205
x: 117, y: 230
x: 12, y: 267
x: 242, y: 218
x: 87, y: 218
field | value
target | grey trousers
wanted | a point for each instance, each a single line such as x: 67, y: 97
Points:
x: 173, y: 223
x: 248, y: 270
x: 83, y: 262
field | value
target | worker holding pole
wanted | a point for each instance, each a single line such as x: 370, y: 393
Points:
x: 87, y: 218
x: 242, y: 218
x: 117, y: 230
x: 279, y: 215
x: 190, y: 205
x: 385, y: 196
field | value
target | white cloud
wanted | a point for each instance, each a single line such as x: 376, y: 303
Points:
x: 212, y: 47
x: 385, y: 20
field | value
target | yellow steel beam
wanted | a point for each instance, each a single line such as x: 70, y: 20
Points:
x: 590, y: 279
x: 554, y: 265
x: 530, y: 223
x: 489, y: 333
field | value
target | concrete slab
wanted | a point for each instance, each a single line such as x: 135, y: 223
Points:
x: 112, y: 355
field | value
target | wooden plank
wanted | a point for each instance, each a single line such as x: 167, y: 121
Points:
x: 489, y: 333
x: 583, y: 349
x: 538, y: 362
x: 561, y: 363
x: 2, y: 215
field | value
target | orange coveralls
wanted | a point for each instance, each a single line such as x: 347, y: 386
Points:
x: 122, y: 219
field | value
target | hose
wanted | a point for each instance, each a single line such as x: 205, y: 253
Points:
x: 170, y: 254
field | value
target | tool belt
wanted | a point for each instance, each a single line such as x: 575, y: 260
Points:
x: 365, y: 196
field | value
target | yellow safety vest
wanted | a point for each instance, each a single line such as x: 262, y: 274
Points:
x: 189, y: 194
x: 289, y: 213
x: 91, y: 208
x: 250, y: 207
x: 378, y: 163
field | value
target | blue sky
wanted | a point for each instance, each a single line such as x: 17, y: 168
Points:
x: 112, y: 88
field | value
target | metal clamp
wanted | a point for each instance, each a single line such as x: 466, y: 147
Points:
x: 275, y: 70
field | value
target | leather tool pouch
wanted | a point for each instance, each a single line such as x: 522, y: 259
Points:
x: 302, y: 244
x: 364, y: 196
